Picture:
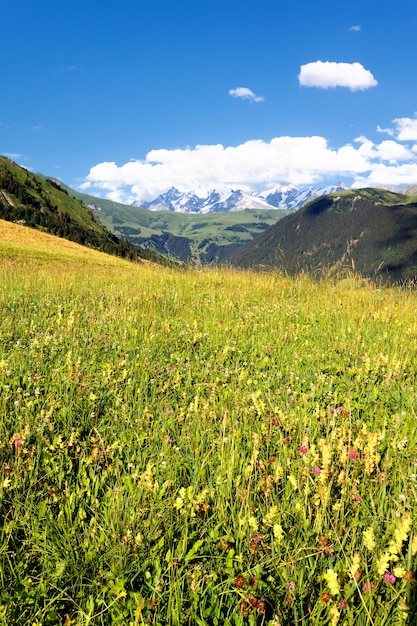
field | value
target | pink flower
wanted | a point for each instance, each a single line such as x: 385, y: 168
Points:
x: 303, y: 449
x: 290, y: 586
x: 390, y: 578
x: 369, y: 587
x: 316, y: 470
x: 352, y: 454
x: 169, y: 412
x: 257, y: 539
x: 18, y: 443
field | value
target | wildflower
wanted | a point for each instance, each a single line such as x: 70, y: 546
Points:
x: 178, y: 503
x: 292, y: 479
x: 253, y: 523
x: 169, y: 412
x: 369, y: 587
x: 303, y: 449
x: 252, y: 581
x: 343, y: 604
x: 369, y: 539
x: 278, y: 533
x: 325, y: 597
x: 331, y: 578
x: 384, y: 562
x: 244, y: 608
x: 400, y: 535
x: 239, y: 580
x: 290, y: 585
x: 267, y: 520
x: 390, y: 578
x: 355, y: 565
x: 335, y: 613
x: 261, y: 606
x: 399, y: 572
x: 408, y: 576
x: 352, y: 454
x: 316, y: 470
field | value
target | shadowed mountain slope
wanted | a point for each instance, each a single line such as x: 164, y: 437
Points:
x: 373, y: 231
x: 32, y: 200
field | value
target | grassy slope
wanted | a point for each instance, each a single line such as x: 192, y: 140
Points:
x: 32, y: 248
x: 30, y: 199
x: 373, y: 230
x: 213, y: 447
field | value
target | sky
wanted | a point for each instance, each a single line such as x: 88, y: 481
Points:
x: 125, y: 99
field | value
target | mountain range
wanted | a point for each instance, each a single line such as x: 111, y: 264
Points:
x: 279, y: 197
x: 373, y: 231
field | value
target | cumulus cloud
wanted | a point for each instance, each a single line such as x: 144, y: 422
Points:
x: 327, y: 74
x: 245, y: 94
x: 406, y: 128
x: 355, y: 28
x: 255, y: 165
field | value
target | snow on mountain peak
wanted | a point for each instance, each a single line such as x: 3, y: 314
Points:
x: 216, y: 201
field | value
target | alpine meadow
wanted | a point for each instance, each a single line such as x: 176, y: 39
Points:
x: 202, y: 447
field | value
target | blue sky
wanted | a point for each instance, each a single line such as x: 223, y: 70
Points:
x: 125, y: 99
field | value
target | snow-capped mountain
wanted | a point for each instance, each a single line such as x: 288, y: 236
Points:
x: 280, y: 197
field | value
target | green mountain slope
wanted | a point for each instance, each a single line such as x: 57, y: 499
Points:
x: 373, y: 231
x: 189, y: 237
x: 32, y: 200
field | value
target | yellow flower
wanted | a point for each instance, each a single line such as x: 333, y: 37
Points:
x: 331, y: 578
x: 335, y: 615
x: 369, y: 539
x: 399, y: 571
x: 278, y: 533
x: 400, y: 535
x: 269, y: 517
x: 292, y: 479
x: 384, y: 561
x: 355, y: 564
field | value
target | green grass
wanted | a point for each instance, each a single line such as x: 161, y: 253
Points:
x: 183, y: 447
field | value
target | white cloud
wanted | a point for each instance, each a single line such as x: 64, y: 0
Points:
x: 255, y: 165
x: 327, y: 74
x: 355, y: 28
x: 387, y: 131
x: 246, y: 94
x: 406, y: 128
x: 387, y: 150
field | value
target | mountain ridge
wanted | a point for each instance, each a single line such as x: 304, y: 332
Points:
x: 43, y: 204
x: 370, y: 230
x: 216, y: 201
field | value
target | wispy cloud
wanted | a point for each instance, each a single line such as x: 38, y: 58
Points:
x: 405, y: 129
x: 12, y: 155
x: 258, y: 165
x: 355, y: 28
x: 245, y: 94
x: 328, y: 74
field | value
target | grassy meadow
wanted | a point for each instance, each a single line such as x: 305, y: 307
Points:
x: 208, y: 447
